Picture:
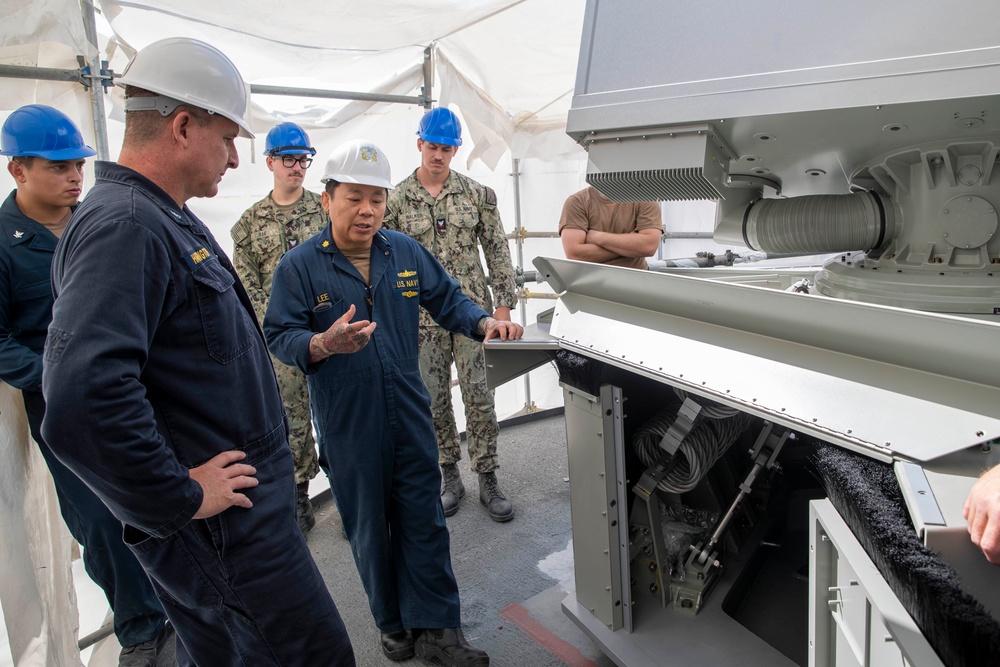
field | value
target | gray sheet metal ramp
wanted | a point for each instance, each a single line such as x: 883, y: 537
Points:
x: 506, y: 360
x: 882, y: 381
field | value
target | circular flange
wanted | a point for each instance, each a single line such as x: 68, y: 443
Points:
x: 969, y: 175
x: 967, y: 221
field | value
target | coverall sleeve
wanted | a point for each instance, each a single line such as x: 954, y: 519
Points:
x: 20, y: 366
x: 99, y: 420
x: 246, y: 264
x: 288, y: 322
x: 496, y: 249
x: 441, y: 296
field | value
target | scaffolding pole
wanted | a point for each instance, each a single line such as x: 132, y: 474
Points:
x: 97, y: 84
x: 529, y: 406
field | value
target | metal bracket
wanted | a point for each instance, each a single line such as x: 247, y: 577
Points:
x: 104, y: 76
x: 687, y: 417
x: 702, y: 566
x: 753, y: 182
x: 645, y: 490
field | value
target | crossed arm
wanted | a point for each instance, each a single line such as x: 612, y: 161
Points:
x: 595, y: 246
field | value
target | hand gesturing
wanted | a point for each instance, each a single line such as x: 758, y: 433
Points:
x: 343, y: 337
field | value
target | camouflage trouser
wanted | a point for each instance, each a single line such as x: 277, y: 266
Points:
x: 295, y: 395
x: 438, y: 348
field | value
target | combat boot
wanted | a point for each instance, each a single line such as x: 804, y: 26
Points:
x: 146, y: 653
x: 490, y: 495
x: 452, y: 490
x: 448, y: 647
x: 397, y: 645
x: 303, y: 508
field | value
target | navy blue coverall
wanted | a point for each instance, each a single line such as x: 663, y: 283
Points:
x: 25, y: 311
x: 372, y: 412
x: 155, y: 364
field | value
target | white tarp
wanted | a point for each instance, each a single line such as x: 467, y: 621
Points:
x: 36, y: 586
x: 508, y: 65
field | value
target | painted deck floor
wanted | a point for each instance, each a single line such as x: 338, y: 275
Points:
x: 512, y: 577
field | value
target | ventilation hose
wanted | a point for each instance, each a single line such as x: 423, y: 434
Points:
x: 818, y: 223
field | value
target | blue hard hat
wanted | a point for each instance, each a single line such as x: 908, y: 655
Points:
x: 37, y: 130
x: 287, y: 139
x: 440, y: 126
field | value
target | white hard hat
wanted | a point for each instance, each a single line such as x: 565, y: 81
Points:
x: 360, y: 162
x: 187, y: 71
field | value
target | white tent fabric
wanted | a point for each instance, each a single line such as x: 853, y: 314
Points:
x: 36, y: 588
x: 508, y: 65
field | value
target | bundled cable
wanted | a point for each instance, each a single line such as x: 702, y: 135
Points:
x: 713, y: 434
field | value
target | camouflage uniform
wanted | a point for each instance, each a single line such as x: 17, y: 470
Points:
x: 470, y: 217
x: 261, y: 237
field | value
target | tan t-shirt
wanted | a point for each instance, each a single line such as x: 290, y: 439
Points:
x: 361, y: 259
x: 589, y: 209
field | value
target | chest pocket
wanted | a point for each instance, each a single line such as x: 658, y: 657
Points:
x: 465, y: 226
x: 416, y: 224
x: 229, y: 332
x: 326, y: 313
x: 406, y: 302
x: 31, y: 308
x: 268, y: 249
x: 36, y: 290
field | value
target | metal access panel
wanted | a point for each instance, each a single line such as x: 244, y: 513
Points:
x: 594, y: 441
x: 855, y: 620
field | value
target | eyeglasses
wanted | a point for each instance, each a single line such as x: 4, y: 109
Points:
x: 290, y: 160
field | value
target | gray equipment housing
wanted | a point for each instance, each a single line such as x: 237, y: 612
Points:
x: 896, y: 102
x: 868, y: 129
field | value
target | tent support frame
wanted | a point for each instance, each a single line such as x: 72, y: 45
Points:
x: 105, y: 78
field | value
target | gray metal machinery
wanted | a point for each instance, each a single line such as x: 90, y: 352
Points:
x: 701, y: 404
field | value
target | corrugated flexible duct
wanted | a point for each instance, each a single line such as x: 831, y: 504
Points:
x: 818, y: 223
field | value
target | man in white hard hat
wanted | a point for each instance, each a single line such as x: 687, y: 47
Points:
x: 160, y: 390
x: 345, y: 308
x: 47, y: 153
x: 287, y: 216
